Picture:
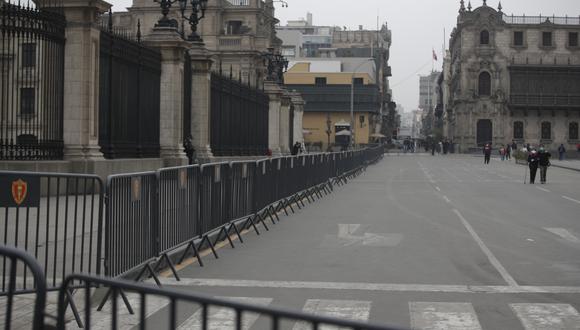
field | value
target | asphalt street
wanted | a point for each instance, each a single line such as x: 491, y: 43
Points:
x: 418, y: 241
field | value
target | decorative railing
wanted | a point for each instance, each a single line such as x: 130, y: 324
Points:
x: 544, y: 100
x: 239, y: 2
x: 230, y: 42
x: 541, y: 19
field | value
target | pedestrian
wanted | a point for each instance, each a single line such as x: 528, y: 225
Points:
x: 514, y: 145
x: 533, y: 159
x: 296, y: 148
x: 544, y: 162
x: 561, y: 152
x: 502, y: 153
x: 433, y: 149
x: 486, y: 153
x: 508, y: 152
x: 188, y: 148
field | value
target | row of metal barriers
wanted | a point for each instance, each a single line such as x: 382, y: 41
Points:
x: 141, y: 222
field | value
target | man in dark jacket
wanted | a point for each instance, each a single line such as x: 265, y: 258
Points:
x: 533, y: 160
x: 486, y: 153
x: 544, y: 162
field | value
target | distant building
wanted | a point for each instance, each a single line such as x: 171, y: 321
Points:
x: 325, y: 85
x: 513, y: 78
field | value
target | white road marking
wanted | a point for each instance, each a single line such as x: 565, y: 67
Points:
x: 343, y: 309
x: 438, y: 189
x: 547, y: 316
x: 441, y: 315
x: 492, y: 259
x: 346, y: 237
x: 571, y: 199
x: 372, y: 287
x: 543, y: 189
x: 222, y: 318
x: 564, y: 233
x: 446, y: 199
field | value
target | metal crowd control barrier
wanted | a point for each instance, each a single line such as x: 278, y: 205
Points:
x: 57, y: 218
x: 178, y: 301
x: 20, y: 261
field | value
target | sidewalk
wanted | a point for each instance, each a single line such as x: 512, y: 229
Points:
x: 572, y: 164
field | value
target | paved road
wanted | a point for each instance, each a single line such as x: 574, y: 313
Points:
x: 417, y: 242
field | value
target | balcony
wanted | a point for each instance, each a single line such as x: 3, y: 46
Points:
x: 240, y: 3
x: 545, y: 101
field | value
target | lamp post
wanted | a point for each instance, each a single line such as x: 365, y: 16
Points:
x: 276, y: 64
x: 197, y: 13
x: 165, y: 6
x: 328, y: 129
x: 352, y: 128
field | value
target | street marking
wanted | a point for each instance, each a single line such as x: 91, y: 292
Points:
x: 547, y: 316
x: 343, y: 309
x: 543, y: 189
x: 438, y: 189
x: 492, y: 259
x: 372, y: 287
x: 346, y: 237
x: 571, y: 199
x: 222, y: 318
x: 564, y: 233
x: 440, y: 315
x: 446, y: 199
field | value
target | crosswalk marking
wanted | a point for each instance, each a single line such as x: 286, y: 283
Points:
x: 221, y: 318
x: 564, y: 233
x: 440, y: 316
x: 547, y: 316
x: 344, y: 309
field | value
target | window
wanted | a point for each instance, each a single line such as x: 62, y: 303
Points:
x: 27, y: 101
x: 28, y: 55
x: 547, y: 39
x: 518, y: 38
x: 573, y: 131
x: 357, y: 81
x: 234, y: 27
x: 546, y: 131
x: 518, y: 130
x: 362, y: 121
x: 484, y: 84
x: 320, y: 81
x: 484, y: 37
x: 573, y: 39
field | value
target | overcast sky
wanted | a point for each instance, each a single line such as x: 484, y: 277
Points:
x: 417, y: 27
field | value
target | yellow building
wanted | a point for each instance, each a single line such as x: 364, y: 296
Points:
x: 325, y: 84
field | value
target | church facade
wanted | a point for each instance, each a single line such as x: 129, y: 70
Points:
x: 512, y: 79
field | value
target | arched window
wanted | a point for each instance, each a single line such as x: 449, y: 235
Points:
x: 518, y: 130
x: 484, y: 84
x: 573, y: 131
x: 484, y: 37
x: 546, y: 131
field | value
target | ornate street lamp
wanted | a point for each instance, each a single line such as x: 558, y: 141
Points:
x: 277, y: 65
x: 197, y: 13
x: 165, y: 6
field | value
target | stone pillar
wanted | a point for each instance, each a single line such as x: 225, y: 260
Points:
x: 172, y: 48
x: 298, y: 101
x: 274, y: 92
x: 200, y: 101
x: 285, y: 123
x: 81, y: 79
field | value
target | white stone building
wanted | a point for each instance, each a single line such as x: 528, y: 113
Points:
x: 513, y: 78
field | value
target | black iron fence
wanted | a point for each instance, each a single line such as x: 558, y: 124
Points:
x: 239, y: 118
x: 32, y: 82
x: 129, y: 96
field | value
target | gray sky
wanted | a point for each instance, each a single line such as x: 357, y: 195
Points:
x: 417, y: 27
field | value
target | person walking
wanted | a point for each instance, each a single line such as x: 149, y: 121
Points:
x: 508, y: 152
x: 533, y: 159
x: 514, y: 145
x: 561, y: 151
x: 502, y: 153
x: 296, y: 148
x: 486, y: 153
x: 544, y: 162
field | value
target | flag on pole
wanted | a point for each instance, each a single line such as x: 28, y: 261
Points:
x: 434, y: 55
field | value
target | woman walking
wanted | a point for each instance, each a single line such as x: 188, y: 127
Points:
x: 544, y: 162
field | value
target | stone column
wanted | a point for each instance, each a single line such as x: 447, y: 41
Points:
x: 274, y: 92
x: 81, y: 78
x: 285, y: 123
x: 200, y: 101
x: 172, y: 48
x: 298, y: 101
